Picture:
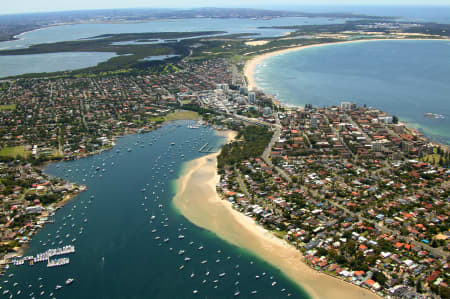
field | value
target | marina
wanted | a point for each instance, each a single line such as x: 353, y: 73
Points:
x: 123, y: 232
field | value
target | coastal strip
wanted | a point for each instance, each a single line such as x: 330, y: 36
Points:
x: 251, y: 64
x: 198, y: 201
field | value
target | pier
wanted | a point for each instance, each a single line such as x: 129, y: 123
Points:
x: 45, y: 256
x: 207, y: 149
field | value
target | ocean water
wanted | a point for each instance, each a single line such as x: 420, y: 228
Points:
x: 118, y: 254
x: 405, y: 78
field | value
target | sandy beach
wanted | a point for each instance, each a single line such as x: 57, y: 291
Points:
x: 250, y: 65
x: 198, y: 201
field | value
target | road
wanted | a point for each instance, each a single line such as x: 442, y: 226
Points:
x: 242, y: 184
x: 396, y: 233
x: 358, y: 215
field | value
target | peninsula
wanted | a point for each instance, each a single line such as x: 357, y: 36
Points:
x: 345, y: 200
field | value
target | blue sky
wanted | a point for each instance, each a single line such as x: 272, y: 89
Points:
x: 23, y: 6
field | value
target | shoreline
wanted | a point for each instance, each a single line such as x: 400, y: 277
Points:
x: 250, y: 67
x: 197, y: 199
x: 21, y: 249
x: 251, y: 64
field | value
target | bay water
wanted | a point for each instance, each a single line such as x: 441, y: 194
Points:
x: 406, y: 78
x: 130, y: 240
x: 23, y: 64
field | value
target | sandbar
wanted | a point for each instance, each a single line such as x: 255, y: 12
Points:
x: 198, y: 201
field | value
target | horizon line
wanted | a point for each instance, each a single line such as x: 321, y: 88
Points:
x: 264, y: 7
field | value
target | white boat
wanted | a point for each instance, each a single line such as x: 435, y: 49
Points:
x: 69, y: 281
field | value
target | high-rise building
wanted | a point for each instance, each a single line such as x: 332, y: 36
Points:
x: 243, y: 90
x: 252, y: 97
x: 377, y: 146
x: 314, y: 122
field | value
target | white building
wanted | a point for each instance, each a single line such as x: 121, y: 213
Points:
x: 346, y: 106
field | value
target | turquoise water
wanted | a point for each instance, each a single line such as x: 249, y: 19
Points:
x: 403, y: 78
x: 117, y: 255
x: 38, y: 63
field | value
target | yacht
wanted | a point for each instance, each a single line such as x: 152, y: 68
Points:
x: 69, y: 281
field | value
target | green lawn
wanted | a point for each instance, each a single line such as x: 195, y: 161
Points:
x: 8, y: 107
x: 14, y: 151
x: 182, y: 115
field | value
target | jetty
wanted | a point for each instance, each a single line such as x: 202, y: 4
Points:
x: 45, y: 256
x: 207, y: 149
